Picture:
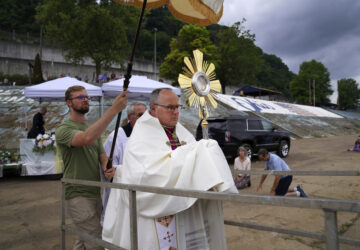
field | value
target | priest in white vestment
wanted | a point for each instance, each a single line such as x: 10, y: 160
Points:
x: 162, y: 153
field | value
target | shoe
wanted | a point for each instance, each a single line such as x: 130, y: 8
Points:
x: 302, y: 193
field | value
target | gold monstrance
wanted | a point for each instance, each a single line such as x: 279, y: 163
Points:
x: 200, y: 86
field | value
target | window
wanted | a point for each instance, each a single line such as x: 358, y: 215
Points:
x: 267, y: 125
x: 254, y: 125
x: 237, y: 125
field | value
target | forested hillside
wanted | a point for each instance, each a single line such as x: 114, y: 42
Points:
x: 107, y: 30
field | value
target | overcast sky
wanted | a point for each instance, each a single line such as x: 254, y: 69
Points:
x: 301, y: 30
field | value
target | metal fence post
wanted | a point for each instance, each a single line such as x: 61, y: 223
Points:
x: 62, y: 204
x: 331, y: 230
x: 133, y: 220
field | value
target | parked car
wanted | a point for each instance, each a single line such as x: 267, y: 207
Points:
x: 250, y: 132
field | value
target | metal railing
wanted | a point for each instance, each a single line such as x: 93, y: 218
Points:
x: 301, y: 172
x: 329, y: 206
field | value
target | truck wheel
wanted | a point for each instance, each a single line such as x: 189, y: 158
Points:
x: 283, y: 149
x: 249, y: 150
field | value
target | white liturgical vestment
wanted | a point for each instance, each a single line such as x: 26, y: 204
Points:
x: 149, y: 160
x: 119, y: 150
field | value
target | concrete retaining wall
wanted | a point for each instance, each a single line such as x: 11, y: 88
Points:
x: 16, y: 56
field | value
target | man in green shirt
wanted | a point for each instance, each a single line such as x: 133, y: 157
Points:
x: 82, y: 152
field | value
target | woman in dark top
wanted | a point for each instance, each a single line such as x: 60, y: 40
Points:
x: 38, y: 124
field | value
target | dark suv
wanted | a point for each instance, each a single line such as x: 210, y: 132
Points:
x: 250, y: 132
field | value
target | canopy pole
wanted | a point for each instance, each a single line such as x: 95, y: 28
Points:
x: 26, y: 119
x: 126, y: 83
x: 101, y: 106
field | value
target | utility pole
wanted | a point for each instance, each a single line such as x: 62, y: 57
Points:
x: 314, y: 91
x: 309, y: 93
x: 41, y: 41
x: 155, y: 30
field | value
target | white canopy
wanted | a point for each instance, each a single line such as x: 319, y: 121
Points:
x: 54, y: 90
x: 140, y: 87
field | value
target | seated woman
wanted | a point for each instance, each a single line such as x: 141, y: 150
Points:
x: 242, y: 162
x: 357, y: 145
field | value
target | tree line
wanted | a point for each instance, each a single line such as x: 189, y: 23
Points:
x: 104, y: 31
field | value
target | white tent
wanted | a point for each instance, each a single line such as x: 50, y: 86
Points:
x: 140, y: 87
x: 54, y: 90
x: 50, y: 91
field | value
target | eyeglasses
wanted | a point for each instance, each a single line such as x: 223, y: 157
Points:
x: 170, y: 107
x: 81, y: 97
x: 138, y: 115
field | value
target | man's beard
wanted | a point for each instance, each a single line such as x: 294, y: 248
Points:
x: 82, y: 110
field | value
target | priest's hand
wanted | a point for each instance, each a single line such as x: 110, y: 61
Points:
x: 109, y: 173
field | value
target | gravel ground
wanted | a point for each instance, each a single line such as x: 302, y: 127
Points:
x: 30, y: 206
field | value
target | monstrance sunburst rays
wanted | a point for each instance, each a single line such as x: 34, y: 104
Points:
x: 199, y: 83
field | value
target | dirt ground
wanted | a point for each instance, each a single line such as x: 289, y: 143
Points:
x: 30, y: 206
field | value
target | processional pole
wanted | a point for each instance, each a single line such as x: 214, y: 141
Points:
x: 126, y: 84
x: 204, y: 125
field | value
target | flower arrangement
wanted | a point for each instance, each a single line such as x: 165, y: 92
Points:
x: 8, y: 156
x: 44, y: 143
x: 5, y: 156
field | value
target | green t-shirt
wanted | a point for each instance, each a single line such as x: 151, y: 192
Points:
x: 81, y: 162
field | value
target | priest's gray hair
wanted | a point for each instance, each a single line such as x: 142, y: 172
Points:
x: 131, y: 108
x: 155, y: 95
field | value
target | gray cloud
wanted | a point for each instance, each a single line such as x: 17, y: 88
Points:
x: 301, y: 30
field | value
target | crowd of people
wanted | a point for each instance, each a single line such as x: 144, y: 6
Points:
x: 151, y: 149
x: 101, y: 78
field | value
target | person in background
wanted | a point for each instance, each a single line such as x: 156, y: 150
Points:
x: 242, y: 162
x: 38, y: 124
x: 82, y: 151
x: 134, y: 111
x: 100, y: 78
x: 281, y: 182
x: 113, y: 76
x: 356, y: 145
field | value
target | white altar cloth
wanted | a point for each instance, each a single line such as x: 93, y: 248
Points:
x: 35, y: 163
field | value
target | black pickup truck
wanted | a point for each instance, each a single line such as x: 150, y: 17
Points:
x: 250, y: 132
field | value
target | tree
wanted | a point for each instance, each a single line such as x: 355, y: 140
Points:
x: 348, y: 93
x: 190, y: 37
x: 239, y: 59
x: 275, y: 75
x: 37, y: 76
x: 19, y: 15
x: 167, y: 27
x: 317, y: 75
x: 85, y: 29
